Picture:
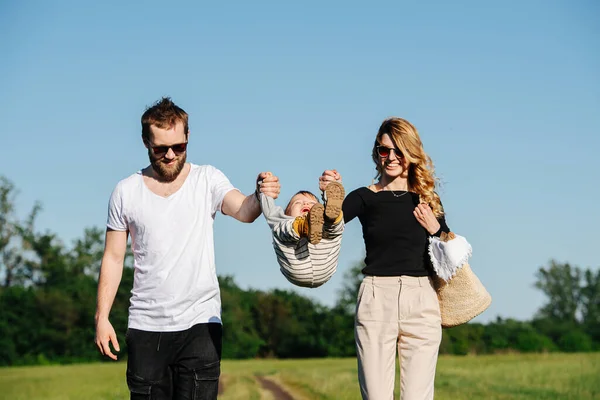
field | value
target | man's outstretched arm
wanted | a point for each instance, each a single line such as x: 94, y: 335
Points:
x: 247, y: 208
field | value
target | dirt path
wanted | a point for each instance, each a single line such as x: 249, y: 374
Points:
x: 221, y: 386
x: 277, y: 391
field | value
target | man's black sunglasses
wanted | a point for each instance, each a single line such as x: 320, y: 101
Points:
x: 161, y: 151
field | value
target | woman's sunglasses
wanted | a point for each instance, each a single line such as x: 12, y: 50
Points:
x: 161, y: 151
x: 384, y: 151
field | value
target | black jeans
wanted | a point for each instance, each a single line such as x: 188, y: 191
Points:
x: 183, y: 365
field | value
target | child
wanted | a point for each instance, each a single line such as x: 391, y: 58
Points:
x: 307, y: 236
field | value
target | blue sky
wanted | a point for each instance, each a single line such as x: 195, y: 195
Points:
x: 506, y: 96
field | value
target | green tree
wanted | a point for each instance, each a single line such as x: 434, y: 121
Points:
x: 571, y: 317
x: 338, y: 332
x: 509, y: 334
x: 590, y: 303
x: 240, y: 336
x: 87, y: 252
x: 348, y: 293
x: 553, y: 329
x: 561, y: 284
x: 13, y: 237
x: 575, y: 341
x: 463, y: 339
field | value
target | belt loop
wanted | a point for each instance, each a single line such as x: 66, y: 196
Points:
x: 373, y: 285
x: 421, y: 281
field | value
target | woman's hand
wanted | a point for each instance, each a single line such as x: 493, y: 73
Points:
x: 424, y: 215
x: 330, y: 175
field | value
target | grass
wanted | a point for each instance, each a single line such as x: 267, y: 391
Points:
x: 510, y: 376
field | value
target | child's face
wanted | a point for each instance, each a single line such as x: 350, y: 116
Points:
x: 301, y: 204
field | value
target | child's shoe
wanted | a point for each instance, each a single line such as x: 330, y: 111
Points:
x: 311, y: 225
x: 333, y: 198
x: 315, y: 223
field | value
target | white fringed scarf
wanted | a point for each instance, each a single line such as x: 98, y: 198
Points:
x: 448, y: 257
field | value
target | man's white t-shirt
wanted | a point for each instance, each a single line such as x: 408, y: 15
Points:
x: 175, y: 283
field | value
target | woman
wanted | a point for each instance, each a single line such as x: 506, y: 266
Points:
x: 397, y: 306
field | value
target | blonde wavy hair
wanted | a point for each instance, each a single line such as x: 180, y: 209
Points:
x: 421, y: 173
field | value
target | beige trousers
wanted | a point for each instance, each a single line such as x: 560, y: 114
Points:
x: 403, y: 313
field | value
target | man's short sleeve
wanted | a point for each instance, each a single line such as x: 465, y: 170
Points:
x: 116, y: 220
x: 220, y: 186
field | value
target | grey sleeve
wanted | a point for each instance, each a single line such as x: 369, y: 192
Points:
x: 281, y: 225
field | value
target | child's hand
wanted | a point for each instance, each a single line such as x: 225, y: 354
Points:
x: 330, y: 175
x: 268, y: 184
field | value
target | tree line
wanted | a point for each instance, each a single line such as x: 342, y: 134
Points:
x: 48, y: 299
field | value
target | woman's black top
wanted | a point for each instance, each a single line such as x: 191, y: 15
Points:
x: 395, y: 241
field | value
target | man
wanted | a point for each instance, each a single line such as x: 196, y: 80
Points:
x: 174, y: 328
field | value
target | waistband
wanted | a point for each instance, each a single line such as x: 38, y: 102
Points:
x: 395, y: 280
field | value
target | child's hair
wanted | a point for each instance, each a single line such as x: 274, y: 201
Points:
x: 304, y: 192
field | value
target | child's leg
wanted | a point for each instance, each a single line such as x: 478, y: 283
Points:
x: 315, y: 223
x: 334, y: 229
x: 334, y: 197
x: 311, y: 225
x: 284, y: 231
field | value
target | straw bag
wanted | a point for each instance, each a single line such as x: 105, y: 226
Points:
x: 461, y: 294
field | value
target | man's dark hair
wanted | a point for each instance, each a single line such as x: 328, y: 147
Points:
x: 163, y: 114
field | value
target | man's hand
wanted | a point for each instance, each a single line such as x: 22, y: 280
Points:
x: 268, y: 184
x: 330, y: 175
x: 105, y: 334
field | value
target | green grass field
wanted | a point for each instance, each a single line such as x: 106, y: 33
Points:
x: 511, y: 376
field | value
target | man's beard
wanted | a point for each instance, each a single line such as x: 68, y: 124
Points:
x: 165, y: 172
